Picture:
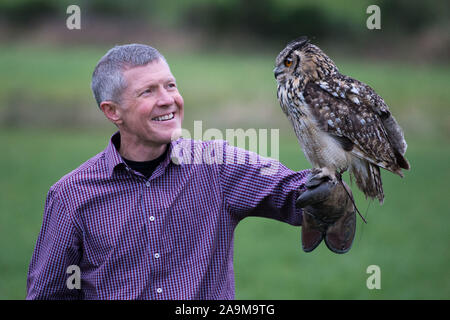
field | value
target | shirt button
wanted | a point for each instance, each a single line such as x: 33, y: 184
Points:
x: 148, y: 184
x: 152, y: 218
x: 156, y: 255
x: 159, y: 290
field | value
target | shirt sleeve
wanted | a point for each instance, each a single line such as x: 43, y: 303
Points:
x: 253, y: 185
x: 57, y: 248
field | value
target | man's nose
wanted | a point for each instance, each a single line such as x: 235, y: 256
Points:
x: 165, y: 98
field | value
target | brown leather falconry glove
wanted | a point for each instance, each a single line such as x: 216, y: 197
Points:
x: 328, y: 212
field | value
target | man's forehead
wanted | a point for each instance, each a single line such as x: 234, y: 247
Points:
x: 153, y: 71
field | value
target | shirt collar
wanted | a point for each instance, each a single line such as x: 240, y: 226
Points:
x: 114, y: 159
x: 112, y: 155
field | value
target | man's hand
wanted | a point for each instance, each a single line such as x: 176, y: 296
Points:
x: 328, y: 212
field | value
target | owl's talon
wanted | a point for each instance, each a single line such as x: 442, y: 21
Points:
x: 320, y: 175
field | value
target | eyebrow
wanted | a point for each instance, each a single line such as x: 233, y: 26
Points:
x: 140, y: 90
x: 154, y: 83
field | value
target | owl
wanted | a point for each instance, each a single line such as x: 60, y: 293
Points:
x: 341, y: 123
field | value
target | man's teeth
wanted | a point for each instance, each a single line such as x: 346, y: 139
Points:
x: 163, y: 118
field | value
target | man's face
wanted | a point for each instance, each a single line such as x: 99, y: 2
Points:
x: 152, y: 108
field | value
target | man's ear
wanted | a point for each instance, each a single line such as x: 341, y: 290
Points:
x: 112, y: 111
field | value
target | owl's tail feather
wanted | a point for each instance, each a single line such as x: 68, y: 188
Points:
x: 368, y: 178
x: 376, y: 182
x: 402, y: 163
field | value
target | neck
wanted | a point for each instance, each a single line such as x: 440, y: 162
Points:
x: 132, y: 148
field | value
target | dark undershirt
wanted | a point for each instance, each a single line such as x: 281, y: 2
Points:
x: 146, y: 167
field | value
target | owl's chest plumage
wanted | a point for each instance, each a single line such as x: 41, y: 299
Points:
x: 319, y: 147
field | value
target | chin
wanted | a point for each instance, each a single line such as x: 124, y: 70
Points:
x: 170, y: 136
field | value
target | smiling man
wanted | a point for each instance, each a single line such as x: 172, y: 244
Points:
x: 149, y: 111
x: 141, y: 226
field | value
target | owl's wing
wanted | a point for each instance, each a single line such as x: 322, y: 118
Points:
x: 357, y: 127
x: 349, y: 89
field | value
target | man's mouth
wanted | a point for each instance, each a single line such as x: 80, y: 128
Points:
x: 164, y: 117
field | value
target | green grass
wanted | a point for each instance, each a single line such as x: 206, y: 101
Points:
x: 407, y: 237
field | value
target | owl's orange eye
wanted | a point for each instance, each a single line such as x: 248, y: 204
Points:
x: 288, y: 62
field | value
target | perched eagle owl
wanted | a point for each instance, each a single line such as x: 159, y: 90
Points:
x: 341, y: 123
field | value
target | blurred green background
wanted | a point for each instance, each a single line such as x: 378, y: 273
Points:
x: 222, y: 54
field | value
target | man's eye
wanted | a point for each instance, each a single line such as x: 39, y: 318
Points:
x: 172, y: 85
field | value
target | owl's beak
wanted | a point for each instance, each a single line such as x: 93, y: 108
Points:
x: 277, y: 71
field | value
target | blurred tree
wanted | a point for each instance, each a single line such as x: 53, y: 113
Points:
x: 266, y: 20
x: 26, y: 12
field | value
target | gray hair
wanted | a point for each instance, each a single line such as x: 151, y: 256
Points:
x: 108, y: 82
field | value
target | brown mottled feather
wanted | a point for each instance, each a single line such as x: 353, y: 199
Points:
x: 351, y: 91
x: 357, y: 123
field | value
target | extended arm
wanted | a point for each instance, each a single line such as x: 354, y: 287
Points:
x: 256, y: 186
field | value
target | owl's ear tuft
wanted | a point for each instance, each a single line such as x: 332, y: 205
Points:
x: 299, y: 42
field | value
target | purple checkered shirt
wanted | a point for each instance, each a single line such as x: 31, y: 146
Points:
x: 166, y: 237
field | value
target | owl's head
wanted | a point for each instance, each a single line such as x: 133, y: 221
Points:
x: 300, y: 59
